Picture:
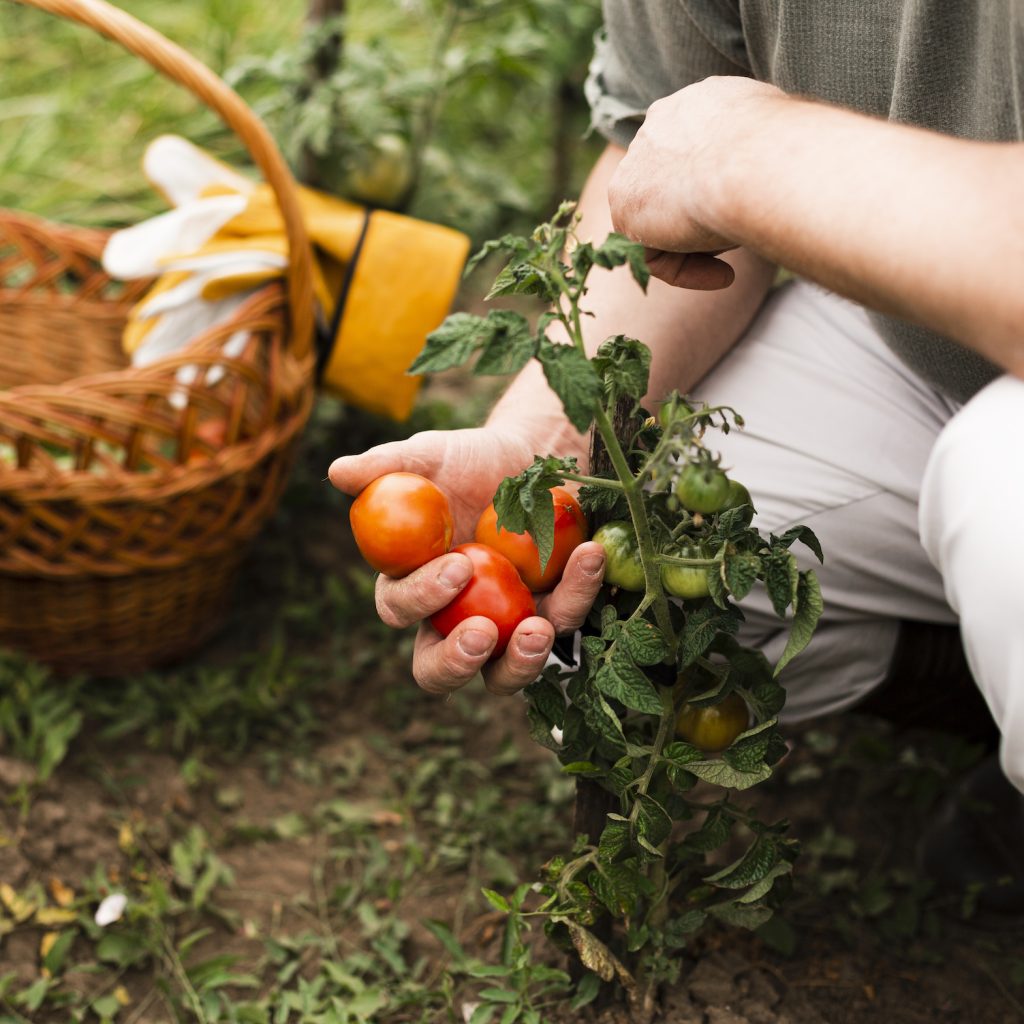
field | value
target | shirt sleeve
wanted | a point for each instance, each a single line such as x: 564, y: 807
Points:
x: 649, y: 50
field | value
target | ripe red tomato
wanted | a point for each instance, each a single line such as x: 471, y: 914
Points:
x: 713, y: 728
x: 520, y: 550
x: 495, y: 592
x: 400, y: 522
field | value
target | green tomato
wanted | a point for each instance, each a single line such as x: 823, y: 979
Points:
x: 713, y: 728
x: 703, y: 489
x: 383, y: 175
x: 623, y: 567
x: 687, y: 582
x: 739, y: 495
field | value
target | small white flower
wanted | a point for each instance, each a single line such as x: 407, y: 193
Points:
x: 111, y: 909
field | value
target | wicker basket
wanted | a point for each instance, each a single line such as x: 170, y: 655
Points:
x: 127, y: 500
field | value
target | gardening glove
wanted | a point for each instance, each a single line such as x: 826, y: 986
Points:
x: 381, y: 280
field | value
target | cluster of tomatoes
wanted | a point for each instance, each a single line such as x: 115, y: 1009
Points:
x: 401, y: 521
x: 700, y: 489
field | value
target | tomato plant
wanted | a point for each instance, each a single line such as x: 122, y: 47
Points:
x: 622, y: 567
x: 702, y: 487
x: 628, y: 896
x: 715, y: 727
x: 570, y: 530
x: 496, y: 592
x: 401, y: 521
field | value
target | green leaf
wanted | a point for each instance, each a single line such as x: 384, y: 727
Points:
x: 678, y: 928
x: 605, y: 502
x: 808, y: 608
x: 616, y: 250
x: 719, y: 773
x: 740, y: 573
x: 623, y: 364
x: 759, y: 859
x: 496, y: 900
x: 702, y: 626
x: 514, y: 244
x: 713, y: 832
x: 644, y: 642
x: 761, y: 888
x: 586, y: 991
x: 510, y: 347
x: 614, y: 837
x: 747, y: 752
x: 806, y: 536
x: 681, y: 754
x: 619, y: 887
x: 781, y: 577
x: 653, y: 822
x: 524, y: 503
x: 572, y: 378
x: 620, y: 678
x: 453, y: 343
x: 740, y: 915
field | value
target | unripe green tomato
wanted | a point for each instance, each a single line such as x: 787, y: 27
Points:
x: 687, y: 582
x: 739, y: 495
x: 702, y: 489
x: 383, y: 175
x: 623, y: 567
x: 713, y: 728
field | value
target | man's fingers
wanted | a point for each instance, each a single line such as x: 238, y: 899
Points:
x: 524, y: 658
x: 567, y: 605
x: 419, y: 595
x: 695, y: 270
x: 351, y: 473
x: 441, y: 665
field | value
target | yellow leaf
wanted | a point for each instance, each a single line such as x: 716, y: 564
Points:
x: 62, y: 894
x: 50, y: 916
x: 121, y: 995
x: 20, y: 908
x: 126, y: 837
x: 46, y: 943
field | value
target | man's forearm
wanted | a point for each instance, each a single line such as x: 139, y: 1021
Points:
x: 912, y: 223
x: 687, y: 331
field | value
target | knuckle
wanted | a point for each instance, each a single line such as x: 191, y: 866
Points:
x: 390, y: 613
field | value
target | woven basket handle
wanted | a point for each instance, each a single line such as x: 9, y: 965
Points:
x: 180, y: 66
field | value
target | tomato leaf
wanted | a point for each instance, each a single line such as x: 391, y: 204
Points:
x: 739, y: 915
x: 616, y: 250
x: 573, y: 379
x: 510, y: 347
x: 808, y: 609
x: 739, y: 573
x: 748, y: 750
x: 619, y: 886
x: 805, y: 535
x: 713, y: 832
x: 653, y: 823
x: 644, y: 642
x: 718, y: 773
x: 620, y: 678
x: 607, y: 502
x: 623, y: 364
x: 452, y: 344
x: 614, y: 837
x: 702, y: 626
x: 781, y: 577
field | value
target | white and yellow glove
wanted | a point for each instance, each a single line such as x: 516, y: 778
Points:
x: 382, y: 280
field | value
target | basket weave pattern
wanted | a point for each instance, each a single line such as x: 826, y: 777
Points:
x: 128, y: 495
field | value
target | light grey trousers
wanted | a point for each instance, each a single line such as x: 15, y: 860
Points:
x: 915, y: 499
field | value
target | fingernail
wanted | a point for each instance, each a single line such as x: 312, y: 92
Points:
x: 533, y: 645
x: 454, y: 574
x: 475, y: 642
x: 592, y: 564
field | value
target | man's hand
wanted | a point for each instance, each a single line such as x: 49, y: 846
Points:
x: 468, y: 465
x: 658, y: 192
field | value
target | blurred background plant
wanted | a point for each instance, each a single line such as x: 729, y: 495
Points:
x: 467, y: 112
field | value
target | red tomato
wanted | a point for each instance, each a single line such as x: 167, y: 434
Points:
x: 520, y: 550
x: 400, y: 522
x: 496, y: 592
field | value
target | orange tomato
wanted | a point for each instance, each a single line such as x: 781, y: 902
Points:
x: 400, y: 522
x: 520, y: 550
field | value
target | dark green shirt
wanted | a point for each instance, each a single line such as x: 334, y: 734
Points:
x: 953, y: 66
